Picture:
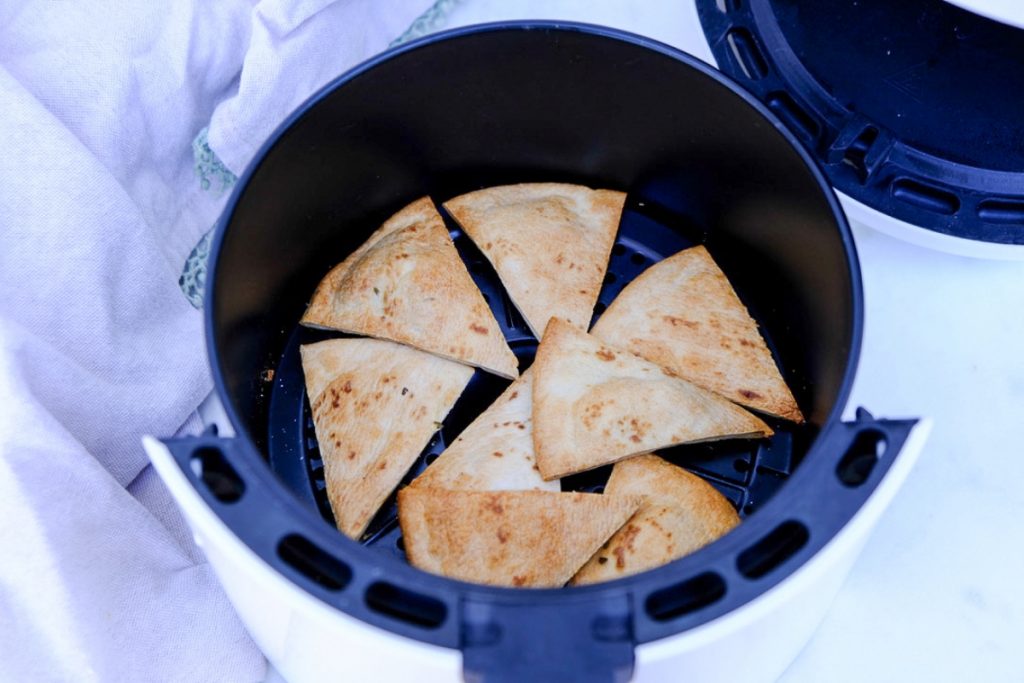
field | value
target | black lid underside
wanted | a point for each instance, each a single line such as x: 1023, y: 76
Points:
x: 914, y: 108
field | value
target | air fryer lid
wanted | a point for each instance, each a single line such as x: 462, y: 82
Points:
x: 912, y: 107
x: 702, y: 162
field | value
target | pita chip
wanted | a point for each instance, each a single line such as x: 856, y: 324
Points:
x: 683, y: 314
x: 375, y: 406
x: 595, y: 404
x: 408, y: 284
x: 681, y: 513
x: 530, y: 539
x: 495, y: 452
x: 548, y: 242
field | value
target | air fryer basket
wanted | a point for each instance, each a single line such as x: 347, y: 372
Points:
x: 702, y: 163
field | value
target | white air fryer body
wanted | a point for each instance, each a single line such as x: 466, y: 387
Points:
x: 307, y: 641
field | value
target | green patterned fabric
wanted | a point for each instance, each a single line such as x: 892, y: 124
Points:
x: 213, y: 175
x: 428, y: 22
x: 193, y: 275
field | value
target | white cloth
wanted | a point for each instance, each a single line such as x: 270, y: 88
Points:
x: 99, y: 207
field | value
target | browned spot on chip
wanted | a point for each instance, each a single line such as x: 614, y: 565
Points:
x: 620, y: 557
x: 675, y: 322
x: 351, y: 455
x: 495, y: 506
x: 750, y: 395
x: 602, y: 559
x: 746, y: 342
x: 634, y: 438
x: 405, y: 390
x: 497, y: 454
x: 521, y: 425
x: 347, y: 387
x: 513, y: 395
x: 479, y: 329
x: 518, y: 580
x: 605, y: 354
x: 502, y: 535
x: 383, y: 465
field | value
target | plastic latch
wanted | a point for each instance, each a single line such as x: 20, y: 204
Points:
x: 562, y: 641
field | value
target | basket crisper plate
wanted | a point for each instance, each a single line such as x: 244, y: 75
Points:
x: 747, y: 472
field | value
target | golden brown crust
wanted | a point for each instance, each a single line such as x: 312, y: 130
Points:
x: 595, y: 404
x: 495, y: 452
x: 548, y: 242
x: 681, y: 514
x: 683, y: 314
x: 528, y: 539
x: 408, y: 284
x: 375, y: 406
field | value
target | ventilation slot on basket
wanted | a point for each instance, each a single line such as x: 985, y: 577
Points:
x: 786, y: 108
x: 862, y: 456
x: 745, y: 51
x: 314, y: 563
x: 399, y: 603
x: 857, y: 152
x: 1001, y: 211
x: 686, y: 597
x: 925, y: 196
x: 209, y: 464
x: 772, y: 550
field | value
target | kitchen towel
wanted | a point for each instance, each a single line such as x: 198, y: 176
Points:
x: 107, y: 184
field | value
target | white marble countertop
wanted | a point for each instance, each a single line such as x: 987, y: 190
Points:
x: 936, y: 594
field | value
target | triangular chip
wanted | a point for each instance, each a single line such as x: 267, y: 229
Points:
x: 548, y: 242
x: 495, y: 452
x: 407, y: 284
x: 530, y: 539
x: 683, y: 314
x: 594, y: 404
x: 681, y: 514
x: 375, y: 406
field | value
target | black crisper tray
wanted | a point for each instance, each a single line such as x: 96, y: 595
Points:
x: 745, y: 471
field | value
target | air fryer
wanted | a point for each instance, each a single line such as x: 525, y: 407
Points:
x: 703, y: 162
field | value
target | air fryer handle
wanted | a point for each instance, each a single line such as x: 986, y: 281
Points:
x: 582, y: 640
x: 862, y: 444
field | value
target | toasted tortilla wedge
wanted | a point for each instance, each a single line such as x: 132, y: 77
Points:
x: 681, y: 514
x: 548, y: 242
x: 407, y: 284
x: 683, y: 314
x: 531, y: 539
x: 375, y: 405
x: 595, y: 404
x: 495, y: 452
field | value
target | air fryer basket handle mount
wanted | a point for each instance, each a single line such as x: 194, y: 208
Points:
x: 589, y: 639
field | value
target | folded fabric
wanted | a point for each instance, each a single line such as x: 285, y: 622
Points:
x: 100, y: 205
